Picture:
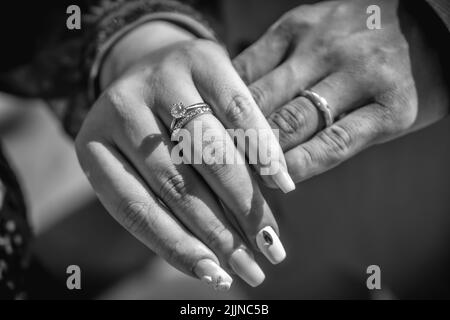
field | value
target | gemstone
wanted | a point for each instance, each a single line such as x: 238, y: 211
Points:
x: 178, y: 111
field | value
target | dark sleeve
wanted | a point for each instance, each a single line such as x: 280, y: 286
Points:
x: 442, y: 8
x: 59, y: 71
x: 437, y: 25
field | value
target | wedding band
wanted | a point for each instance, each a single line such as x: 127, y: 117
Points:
x: 321, y: 104
x: 182, y: 114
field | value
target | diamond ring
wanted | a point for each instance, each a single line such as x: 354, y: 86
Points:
x: 182, y: 114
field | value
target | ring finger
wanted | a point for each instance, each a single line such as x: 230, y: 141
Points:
x: 300, y: 119
x: 232, y: 181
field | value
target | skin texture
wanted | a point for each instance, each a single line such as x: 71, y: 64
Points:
x: 380, y: 84
x: 124, y: 148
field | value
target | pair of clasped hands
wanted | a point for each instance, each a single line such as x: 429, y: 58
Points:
x: 211, y: 220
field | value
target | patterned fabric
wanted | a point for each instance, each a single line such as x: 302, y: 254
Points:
x: 14, y: 235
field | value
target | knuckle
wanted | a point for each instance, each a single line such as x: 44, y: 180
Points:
x: 116, y: 95
x: 203, y: 48
x: 290, y: 26
x: 278, y: 121
x: 403, y: 116
x: 290, y: 19
x: 296, y: 112
x: 292, y: 120
x: 163, y: 71
x: 399, y: 107
x: 284, y: 29
x: 238, y: 109
x: 338, y: 142
x: 117, y: 101
x: 174, y: 188
x: 218, y: 169
x: 133, y: 215
x: 295, y: 19
x: 259, y: 95
x: 385, y: 75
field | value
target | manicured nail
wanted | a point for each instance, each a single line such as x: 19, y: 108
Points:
x: 209, y: 272
x: 246, y: 267
x: 284, y: 180
x: 270, y: 245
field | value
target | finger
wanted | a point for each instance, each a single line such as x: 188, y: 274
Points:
x: 236, y: 109
x: 356, y: 131
x: 299, y: 119
x: 264, y: 55
x: 225, y: 170
x: 150, y: 150
x: 285, y: 82
x: 125, y: 195
x: 207, y: 148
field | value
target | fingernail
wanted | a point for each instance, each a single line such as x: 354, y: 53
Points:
x: 209, y: 272
x: 247, y: 268
x: 284, y: 180
x: 270, y: 245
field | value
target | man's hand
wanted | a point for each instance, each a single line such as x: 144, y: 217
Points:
x: 379, y: 84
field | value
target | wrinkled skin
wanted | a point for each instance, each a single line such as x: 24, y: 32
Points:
x: 380, y: 84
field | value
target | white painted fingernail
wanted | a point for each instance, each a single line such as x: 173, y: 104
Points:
x: 284, y: 180
x: 246, y: 267
x: 212, y: 274
x: 270, y: 245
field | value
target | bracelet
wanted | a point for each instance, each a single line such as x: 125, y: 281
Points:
x: 105, y: 25
x: 182, y: 20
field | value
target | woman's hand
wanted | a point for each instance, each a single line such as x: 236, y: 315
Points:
x: 204, y: 219
x: 373, y: 80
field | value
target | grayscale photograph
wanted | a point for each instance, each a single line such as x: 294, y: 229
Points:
x: 225, y: 155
